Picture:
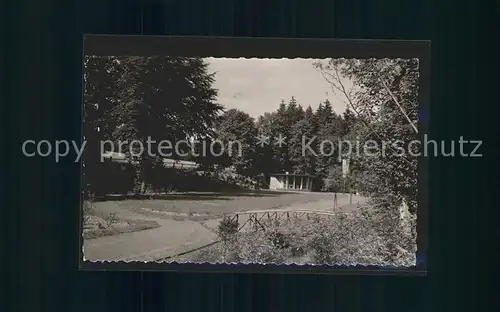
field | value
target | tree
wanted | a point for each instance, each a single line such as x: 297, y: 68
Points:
x: 266, y: 158
x: 294, y: 112
x: 303, y: 161
x: 99, y: 93
x: 334, y: 180
x: 348, y: 122
x: 156, y: 99
x: 328, y: 135
x: 165, y: 98
x: 210, y: 155
x: 324, y: 113
x: 237, y: 130
x: 384, y: 100
x: 280, y: 129
x: 284, y: 120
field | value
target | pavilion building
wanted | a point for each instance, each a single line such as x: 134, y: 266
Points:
x: 290, y: 181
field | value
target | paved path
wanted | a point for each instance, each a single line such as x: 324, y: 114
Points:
x: 173, y: 237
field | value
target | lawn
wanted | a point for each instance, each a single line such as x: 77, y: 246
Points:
x: 204, y: 206
x: 98, y: 223
x: 96, y: 226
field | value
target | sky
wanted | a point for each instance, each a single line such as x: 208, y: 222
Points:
x: 256, y: 86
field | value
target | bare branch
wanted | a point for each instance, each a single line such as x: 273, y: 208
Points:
x: 334, y: 87
x: 400, y: 107
x: 351, y: 104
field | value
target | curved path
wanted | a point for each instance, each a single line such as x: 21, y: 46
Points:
x: 172, y: 237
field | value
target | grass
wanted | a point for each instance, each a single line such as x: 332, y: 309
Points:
x: 204, y: 206
x: 98, y: 224
x: 125, y: 226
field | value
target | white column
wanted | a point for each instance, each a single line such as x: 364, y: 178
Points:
x: 294, y: 182
x: 301, y: 182
x: 286, y: 181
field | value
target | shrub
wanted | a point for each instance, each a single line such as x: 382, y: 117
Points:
x: 364, y: 237
x: 88, y: 210
x: 259, y: 248
x: 227, y: 228
x: 111, y: 219
x: 278, y: 239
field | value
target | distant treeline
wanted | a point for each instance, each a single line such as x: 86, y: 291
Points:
x: 288, y: 129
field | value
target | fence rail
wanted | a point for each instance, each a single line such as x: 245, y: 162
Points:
x: 257, y: 218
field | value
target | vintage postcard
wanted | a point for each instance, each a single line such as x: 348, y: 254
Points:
x: 254, y: 154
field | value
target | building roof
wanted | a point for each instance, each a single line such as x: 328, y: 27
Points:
x: 167, y: 162
x: 292, y: 174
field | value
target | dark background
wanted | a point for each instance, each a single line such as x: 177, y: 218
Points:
x: 41, y: 62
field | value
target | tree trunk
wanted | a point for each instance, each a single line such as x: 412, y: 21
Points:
x: 139, y: 180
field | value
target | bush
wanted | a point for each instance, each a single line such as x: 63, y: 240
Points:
x: 111, y: 219
x: 88, y: 210
x: 258, y: 247
x: 278, y: 239
x: 227, y: 228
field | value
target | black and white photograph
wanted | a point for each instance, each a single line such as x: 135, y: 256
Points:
x: 251, y: 160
